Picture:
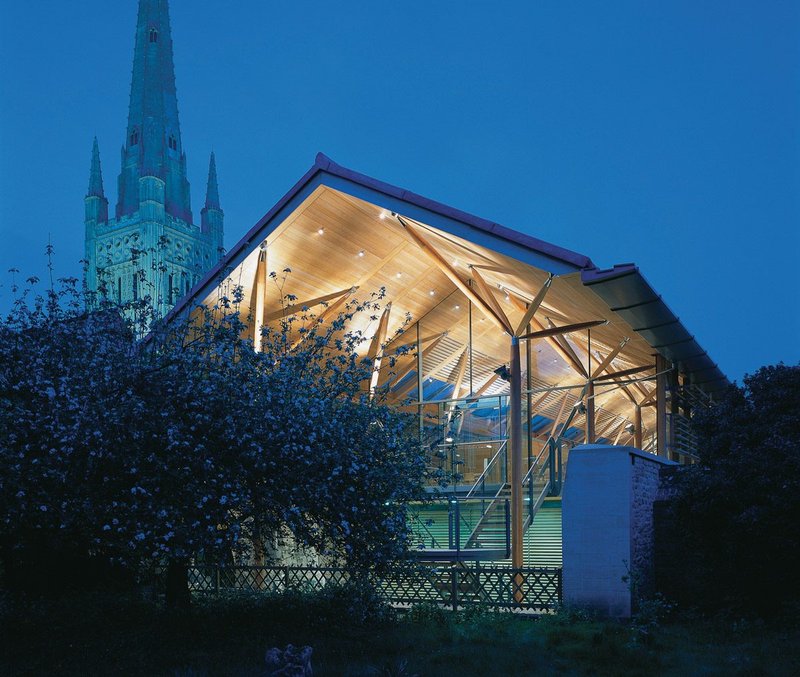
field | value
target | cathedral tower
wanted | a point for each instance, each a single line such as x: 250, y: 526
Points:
x: 151, y: 248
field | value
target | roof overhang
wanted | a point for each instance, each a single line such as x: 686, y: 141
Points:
x: 622, y: 291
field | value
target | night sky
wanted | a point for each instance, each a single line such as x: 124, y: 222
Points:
x: 661, y: 133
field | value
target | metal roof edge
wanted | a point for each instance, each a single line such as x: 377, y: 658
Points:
x: 322, y: 163
x: 636, y: 285
x: 548, y: 249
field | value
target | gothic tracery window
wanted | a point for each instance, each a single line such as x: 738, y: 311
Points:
x: 134, y: 137
x: 153, y: 35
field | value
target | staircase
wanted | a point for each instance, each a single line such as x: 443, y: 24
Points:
x: 542, y: 542
x: 476, y: 526
x: 491, y: 530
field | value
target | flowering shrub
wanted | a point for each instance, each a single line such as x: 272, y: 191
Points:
x: 189, y: 442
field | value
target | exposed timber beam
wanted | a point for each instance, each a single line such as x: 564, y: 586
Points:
x: 330, y: 310
x: 461, y: 369
x: 375, y: 353
x: 567, y: 348
x: 624, y: 388
x: 426, y: 351
x: 261, y: 297
x: 649, y: 398
x: 520, y: 304
x: 494, y: 269
x: 558, y: 331
x: 533, y: 306
x: 612, y: 375
x: 606, y: 362
x: 557, y: 419
x: 454, y: 277
x: 637, y: 431
x: 298, y: 307
x: 619, y: 432
x: 488, y: 296
x: 602, y: 431
x: 395, y: 346
x: 486, y: 385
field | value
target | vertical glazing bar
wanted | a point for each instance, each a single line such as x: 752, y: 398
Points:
x: 471, y: 387
x: 528, y: 388
x: 508, y: 529
x: 515, y: 436
x: 458, y: 526
x: 454, y: 587
x: 449, y: 524
x: 420, y: 384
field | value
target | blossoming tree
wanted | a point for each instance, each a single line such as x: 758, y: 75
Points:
x: 190, y: 443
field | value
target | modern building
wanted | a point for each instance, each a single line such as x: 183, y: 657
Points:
x: 151, y: 246
x: 523, y: 350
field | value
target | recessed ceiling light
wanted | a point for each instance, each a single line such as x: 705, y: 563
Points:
x: 382, y: 215
x: 320, y: 231
x: 361, y: 253
x: 432, y: 292
x: 399, y: 275
x: 456, y: 307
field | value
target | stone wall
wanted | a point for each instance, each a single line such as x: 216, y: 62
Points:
x: 608, y: 526
x: 644, y: 489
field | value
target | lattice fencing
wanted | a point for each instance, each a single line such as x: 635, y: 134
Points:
x: 454, y: 585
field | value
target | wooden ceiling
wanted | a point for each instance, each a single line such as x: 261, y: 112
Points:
x: 333, y: 242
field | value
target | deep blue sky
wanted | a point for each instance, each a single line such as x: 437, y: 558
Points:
x: 663, y: 133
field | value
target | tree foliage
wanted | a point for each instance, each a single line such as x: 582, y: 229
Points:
x: 735, y: 522
x: 189, y: 443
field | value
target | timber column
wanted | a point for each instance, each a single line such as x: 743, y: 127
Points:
x: 661, y: 405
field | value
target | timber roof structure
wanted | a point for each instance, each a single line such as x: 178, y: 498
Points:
x: 468, y: 284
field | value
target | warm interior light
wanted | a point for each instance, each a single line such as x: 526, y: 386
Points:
x: 361, y: 253
x: 320, y: 231
x: 456, y: 307
x: 432, y: 292
x: 399, y: 275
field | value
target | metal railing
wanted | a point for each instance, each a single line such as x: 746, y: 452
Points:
x: 455, y: 586
x: 497, y: 465
x: 453, y: 524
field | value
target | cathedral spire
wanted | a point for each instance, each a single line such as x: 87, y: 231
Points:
x: 153, y: 146
x: 212, y: 216
x: 95, y: 174
x: 212, y: 189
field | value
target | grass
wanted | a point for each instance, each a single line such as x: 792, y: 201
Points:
x: 98, y: 635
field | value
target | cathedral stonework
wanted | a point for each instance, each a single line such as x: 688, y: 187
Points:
x: 151, y: 247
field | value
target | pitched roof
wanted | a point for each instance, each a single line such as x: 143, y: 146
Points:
x: 622, y: 288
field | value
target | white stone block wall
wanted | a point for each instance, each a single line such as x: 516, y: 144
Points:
x: 608, y: 525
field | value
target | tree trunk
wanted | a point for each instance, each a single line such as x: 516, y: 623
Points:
x: 178, y: 596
